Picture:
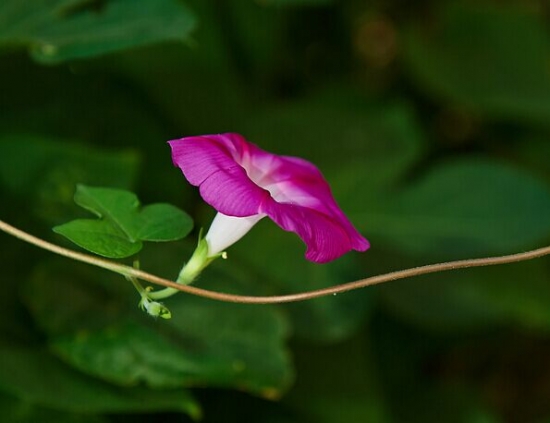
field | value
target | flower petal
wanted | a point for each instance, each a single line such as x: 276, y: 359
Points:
x: 326, y: 237
x: 223, y: 183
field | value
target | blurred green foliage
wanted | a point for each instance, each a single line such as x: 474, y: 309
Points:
x: 60, y: 30
x: 430, y: 119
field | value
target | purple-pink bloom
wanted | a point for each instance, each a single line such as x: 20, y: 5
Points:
x: 245, y: 183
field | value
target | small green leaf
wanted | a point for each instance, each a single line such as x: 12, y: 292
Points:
x: 100, y: 237
x: 122, y: 225
x: 161, y: 222
x: 59, y: 30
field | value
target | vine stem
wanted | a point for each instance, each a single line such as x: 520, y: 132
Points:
x: 128, y: 271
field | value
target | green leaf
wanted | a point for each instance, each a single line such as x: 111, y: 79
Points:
x: 123, y: 225
x: 19, y: 411
x: 126, y: 353
x: 59, y: 30
x: 96, y: 326
x: 99, y: 237
x: 468, y: 57
x: 462, y: 208
x: 34, y: 376
x: 45, y: 171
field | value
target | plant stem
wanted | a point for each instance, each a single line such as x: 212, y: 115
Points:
x: 301, y: 296
x: 190, y: 270
x: 139, y: 288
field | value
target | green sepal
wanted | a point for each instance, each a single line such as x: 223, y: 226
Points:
x: 154, y: 308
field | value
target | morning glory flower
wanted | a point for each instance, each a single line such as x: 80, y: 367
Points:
x: 245, y: 184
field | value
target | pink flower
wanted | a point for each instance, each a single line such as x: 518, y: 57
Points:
x: 244, y: 184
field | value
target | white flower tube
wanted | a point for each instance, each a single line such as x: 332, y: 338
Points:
x: 226, y: 230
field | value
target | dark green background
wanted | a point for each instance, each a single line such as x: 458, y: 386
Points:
x: 431, y: 121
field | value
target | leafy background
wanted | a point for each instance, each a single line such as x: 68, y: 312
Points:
x: 430, y: 119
